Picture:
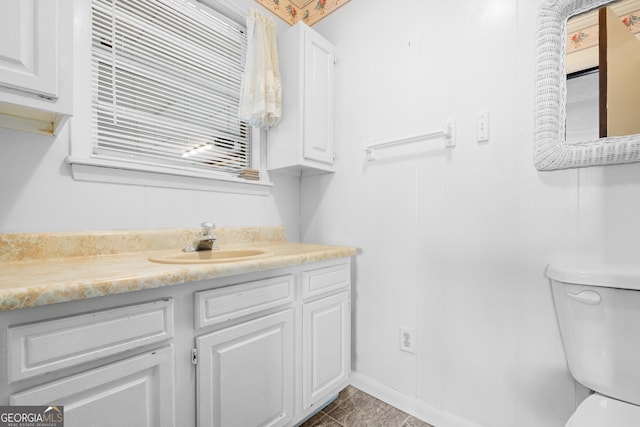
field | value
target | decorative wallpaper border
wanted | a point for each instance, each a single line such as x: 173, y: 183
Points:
x: 309, y: 11
x: 587, y: 37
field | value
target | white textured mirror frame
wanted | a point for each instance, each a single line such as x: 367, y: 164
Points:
x: 551, y: 150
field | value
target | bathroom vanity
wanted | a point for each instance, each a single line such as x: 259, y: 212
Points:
x: 113, y: 336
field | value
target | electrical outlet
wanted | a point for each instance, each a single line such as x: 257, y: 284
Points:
x: 407, y: 340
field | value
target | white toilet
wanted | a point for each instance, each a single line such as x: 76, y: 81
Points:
x: 598, y: 311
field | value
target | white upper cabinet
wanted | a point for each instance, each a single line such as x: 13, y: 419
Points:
x: 28, y: 59
x: 318, y: 99
x: 35, y: 52
x: 303, y: 141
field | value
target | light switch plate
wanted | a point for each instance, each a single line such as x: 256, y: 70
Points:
x: 482, y: 126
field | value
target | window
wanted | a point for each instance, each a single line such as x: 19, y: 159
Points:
x: 165, y: 86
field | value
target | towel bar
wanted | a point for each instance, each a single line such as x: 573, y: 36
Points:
x: 448, y: 133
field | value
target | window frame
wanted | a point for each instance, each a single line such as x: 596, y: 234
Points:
x: 86, y: 166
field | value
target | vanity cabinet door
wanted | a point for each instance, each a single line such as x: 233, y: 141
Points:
x: 136, y: 392
x: 326, y: 347
x: 245, y: 373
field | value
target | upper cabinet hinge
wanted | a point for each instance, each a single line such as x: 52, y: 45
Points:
x: 194, y: 356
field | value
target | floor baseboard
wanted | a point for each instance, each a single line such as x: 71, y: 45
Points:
x: 410, y: 405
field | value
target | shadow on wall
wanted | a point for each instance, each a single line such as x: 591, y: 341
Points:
x: 354, y: 311
x: 408, y: 154
x: 310, y: 205
x: 542, y: 401
x: 620, y: 209
x: 625, y: 175
x: 286, y: 189
x: 26, y: 156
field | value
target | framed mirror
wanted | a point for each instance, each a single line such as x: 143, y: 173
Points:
x: 552, y: 150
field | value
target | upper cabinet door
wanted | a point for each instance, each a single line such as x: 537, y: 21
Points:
x: 303, y: 142
x: 318, y: 99
x: 28, y: 46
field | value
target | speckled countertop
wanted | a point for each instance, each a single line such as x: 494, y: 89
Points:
x: 46, y: 268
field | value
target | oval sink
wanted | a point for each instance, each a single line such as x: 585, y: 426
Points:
x: 209, y: 257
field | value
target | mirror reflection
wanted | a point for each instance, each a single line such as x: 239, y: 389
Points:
x: 603, y: 72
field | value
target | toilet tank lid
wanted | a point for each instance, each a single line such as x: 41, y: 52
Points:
x: 604, y: 275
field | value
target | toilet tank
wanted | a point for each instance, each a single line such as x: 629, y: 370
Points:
x: 598, y: 311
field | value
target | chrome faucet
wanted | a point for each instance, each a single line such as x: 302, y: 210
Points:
x: 205, y: 240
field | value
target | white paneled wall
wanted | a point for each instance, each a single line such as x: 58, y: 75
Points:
x: 455, y: 243
x: 38, y: 194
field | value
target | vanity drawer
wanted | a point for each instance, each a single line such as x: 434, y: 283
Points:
x: 231, y: 302
x: 48, y: 346
x: 326, y: 279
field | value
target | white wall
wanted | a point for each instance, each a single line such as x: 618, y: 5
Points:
x: 455, y: 243
x: 39, y: 194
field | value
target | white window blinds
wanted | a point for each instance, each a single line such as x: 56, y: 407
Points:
x: 166, y: 84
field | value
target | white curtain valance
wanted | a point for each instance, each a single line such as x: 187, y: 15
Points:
x: 261, y: 91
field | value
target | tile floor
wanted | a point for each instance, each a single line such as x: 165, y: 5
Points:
x: 355, y: 408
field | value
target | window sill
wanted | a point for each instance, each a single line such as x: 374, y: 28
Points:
x: 121, y: 172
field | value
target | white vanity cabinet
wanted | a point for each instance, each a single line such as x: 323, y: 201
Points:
x: 326, y: 337
x: 245, y: 372
x: 114, y: 388
x: 303, y: 141
x: 266, y: 348
x: 280, y: 349
x: 35, y: 64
